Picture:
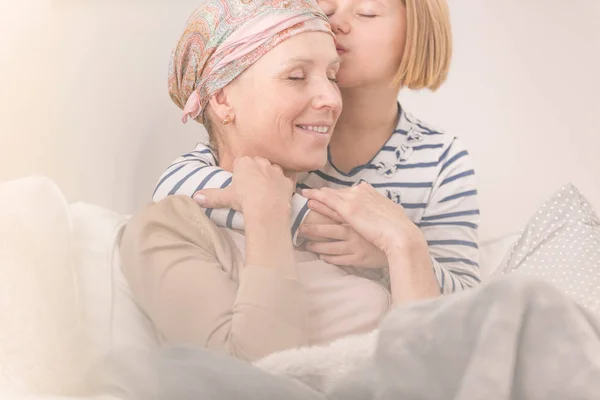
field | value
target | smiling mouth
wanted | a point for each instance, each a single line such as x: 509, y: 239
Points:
x: 322, y: 129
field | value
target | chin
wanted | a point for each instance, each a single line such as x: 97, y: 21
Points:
x: 310, y: 163
x: 346, y: 78
x: 349, y: 83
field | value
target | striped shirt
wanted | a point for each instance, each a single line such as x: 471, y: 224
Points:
x: 428, y: 172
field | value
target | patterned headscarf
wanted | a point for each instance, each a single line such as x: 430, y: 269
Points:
x: 223, y: 38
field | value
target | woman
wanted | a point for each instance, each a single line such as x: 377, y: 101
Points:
x: 253, y: 294
x: 384, y: 46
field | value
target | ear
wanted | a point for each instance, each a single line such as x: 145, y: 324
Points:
x: 221, y: 106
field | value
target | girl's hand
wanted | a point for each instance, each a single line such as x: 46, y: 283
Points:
x: 384, y: 224
x: 377, y: 219
x: 339, y: 244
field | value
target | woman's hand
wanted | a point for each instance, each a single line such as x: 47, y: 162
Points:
x: 263, y: 193
x: 372, y: 216
x: 339, y: 244
x: 256, y: 184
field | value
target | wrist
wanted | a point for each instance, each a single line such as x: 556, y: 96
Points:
x: 412, y: 276
x: 279, y: 214
x: 269, y: 239
x: 266, y: 207
x: 407, y: 245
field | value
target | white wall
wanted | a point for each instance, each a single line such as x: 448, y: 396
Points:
x: 88, y: 104
x: 84, y: 98
x: 524, y: 93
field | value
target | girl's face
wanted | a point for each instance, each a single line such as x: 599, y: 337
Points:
x: 370, y: 39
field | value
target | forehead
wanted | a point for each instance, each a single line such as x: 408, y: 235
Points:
x: 308, y: 45
x: 387, y: 3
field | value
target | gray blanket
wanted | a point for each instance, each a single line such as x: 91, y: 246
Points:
x: 513, y: 338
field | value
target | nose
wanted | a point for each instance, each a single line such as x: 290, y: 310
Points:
x: 340, y: 22
x: 327, y: 96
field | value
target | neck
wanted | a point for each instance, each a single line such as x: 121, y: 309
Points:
x: 367, y: 109
x: 227, y: 159
x: 368, y: 118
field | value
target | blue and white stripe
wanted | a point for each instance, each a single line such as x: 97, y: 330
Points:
x: 429, y: 172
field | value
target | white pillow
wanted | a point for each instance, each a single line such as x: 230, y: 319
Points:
x: 493, y: 252
x: 42, y: 348
x: 111, y: 316
x: 561, y: 244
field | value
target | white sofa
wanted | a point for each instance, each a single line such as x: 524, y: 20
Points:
x: 63, y: 300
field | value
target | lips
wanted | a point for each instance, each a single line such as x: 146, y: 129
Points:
x: 340, y: 49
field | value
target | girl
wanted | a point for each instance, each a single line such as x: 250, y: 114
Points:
x: 384, y: 45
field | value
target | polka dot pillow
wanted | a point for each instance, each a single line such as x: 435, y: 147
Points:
x: 561, y: 244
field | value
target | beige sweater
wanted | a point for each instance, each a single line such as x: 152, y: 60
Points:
x: 189, y: 276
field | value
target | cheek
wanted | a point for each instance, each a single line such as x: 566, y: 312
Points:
x: 271, y: 119
x: 288, y: 106
x: 397, y: 42
x: 390, y: 48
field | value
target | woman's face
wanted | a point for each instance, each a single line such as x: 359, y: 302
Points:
x: 286, y: 105
x: 370, y: 39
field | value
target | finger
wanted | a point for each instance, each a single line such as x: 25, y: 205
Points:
x: 277, y: 168
x: 337, y: 192
x: 346, y: 260
x: 342, y: 197
x: 215, y: 198
x: 321, y: 208
x: 325, y: 231
x: 237, y: 162
x: 325, y: 196
x: 337, y: 247
x: 263, y: 162
x: 312, y: 238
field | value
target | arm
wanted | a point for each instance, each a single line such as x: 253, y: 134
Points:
x: 198, y: 170
x: 180, y: 271
x: 450, y: 222
x: 189, y: 173
x: 412, y: 277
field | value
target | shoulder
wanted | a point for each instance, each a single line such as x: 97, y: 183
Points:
x: 419, y: 134
x: 419, y: 131
x: 177, y: 218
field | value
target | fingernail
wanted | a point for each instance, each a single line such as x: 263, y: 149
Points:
x: 200, y: 198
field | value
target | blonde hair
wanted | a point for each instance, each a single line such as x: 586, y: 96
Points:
x: 428, y: 50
